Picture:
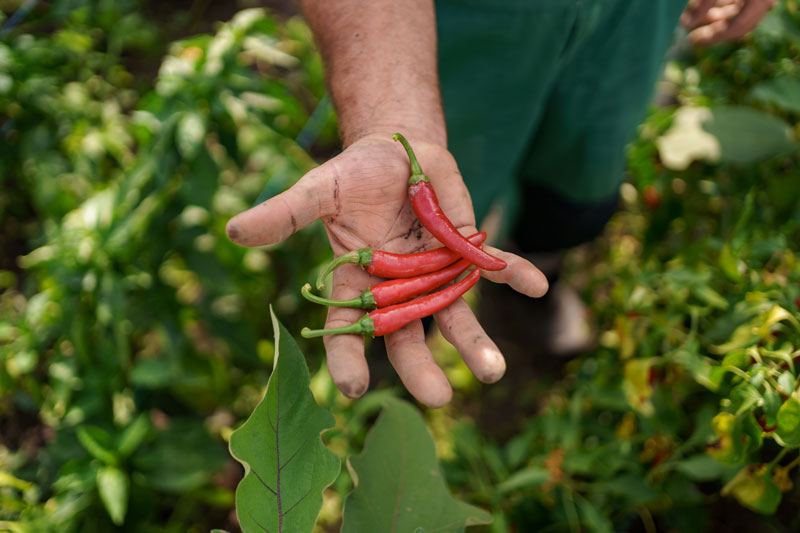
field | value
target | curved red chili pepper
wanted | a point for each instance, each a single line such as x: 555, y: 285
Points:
x: 390, y: 319
x: 393, y: 291
x: 426, y: 206
x: 391, y: 265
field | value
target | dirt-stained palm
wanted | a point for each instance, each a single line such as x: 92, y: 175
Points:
x: 361, y: 197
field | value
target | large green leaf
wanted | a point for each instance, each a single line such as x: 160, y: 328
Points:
x: 730, y: 134
x: 747, y: 135
x: 398, y: 483
x: 286, y: 464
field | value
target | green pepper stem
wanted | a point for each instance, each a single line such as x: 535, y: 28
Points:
x: 311, y: 297
x: 364, y: 326
x: 361, y: 258
x: 416, y: 171
x: 348, y: 258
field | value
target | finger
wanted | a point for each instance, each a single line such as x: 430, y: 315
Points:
x: 275, y: 219
x: 747, y: 19
x: 708, y: 34
x: 735, y: 28
x: 345, y: 353
x: 696, y: 10
x: 460, y: 328
x: 520, y: 274
x: 720, y: 12
x: 413, y: 362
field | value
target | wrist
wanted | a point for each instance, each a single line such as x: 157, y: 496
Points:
x: 428, y: 129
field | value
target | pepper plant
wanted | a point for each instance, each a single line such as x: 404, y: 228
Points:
x: 134, y: 337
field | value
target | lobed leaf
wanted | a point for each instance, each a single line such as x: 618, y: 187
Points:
x: 286, y: 464
x: 398, y: 483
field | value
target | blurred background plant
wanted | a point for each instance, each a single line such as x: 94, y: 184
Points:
x: 134, y: 336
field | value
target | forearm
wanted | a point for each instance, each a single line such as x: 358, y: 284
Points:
x: 380, y: 60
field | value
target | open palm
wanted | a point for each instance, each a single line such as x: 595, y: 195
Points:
x: 361, y: 197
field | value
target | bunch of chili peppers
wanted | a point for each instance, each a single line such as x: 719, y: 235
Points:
x: 400, y: 300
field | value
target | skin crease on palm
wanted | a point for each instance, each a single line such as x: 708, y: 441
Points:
x: 361, y: 197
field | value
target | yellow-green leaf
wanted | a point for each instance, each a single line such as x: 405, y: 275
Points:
x: 112, y: 485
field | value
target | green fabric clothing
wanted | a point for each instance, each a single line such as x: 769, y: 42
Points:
x: 548, y: 91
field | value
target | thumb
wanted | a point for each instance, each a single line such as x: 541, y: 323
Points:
x: 276, y: 219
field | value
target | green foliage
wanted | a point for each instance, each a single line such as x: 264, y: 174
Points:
x: 398, y: 483
x: 286, y: 464
x: 132, y: 331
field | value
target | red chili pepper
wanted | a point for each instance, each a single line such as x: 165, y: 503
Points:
x: 390, y: 319
x: 390, y: 265
x: 426, y: 206
x: 393, y: 291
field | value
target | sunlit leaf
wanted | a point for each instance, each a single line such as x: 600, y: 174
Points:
x: 638, y: 384
x: 786, y: 382
x: 774, y: 315
x: 729, y: 264
x: 112, y: 485
x: 687, y: 141
x: 729, y: 447
x: 398, y: 483
x: 286, y: 464
x: 190, y: 134
x: 754, y: 488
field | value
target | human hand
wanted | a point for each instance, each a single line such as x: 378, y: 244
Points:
x: 714, y: 21
x: 361, y: 197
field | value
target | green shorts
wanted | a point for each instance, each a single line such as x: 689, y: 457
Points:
x: 548, y: 92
